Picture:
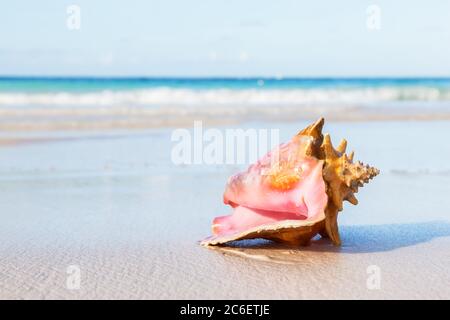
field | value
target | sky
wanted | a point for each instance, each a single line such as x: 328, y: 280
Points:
x: 215, y: 38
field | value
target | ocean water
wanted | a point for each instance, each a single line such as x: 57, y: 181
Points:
x: 156, y: 91
x: 147, y: 102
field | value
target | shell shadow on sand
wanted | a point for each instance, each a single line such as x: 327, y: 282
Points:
x: 356, y: 239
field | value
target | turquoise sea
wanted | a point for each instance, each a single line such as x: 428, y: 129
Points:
x: 85, y: 84
x: 240, y: 91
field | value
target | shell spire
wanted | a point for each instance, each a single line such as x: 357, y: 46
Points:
x: 342, y: 176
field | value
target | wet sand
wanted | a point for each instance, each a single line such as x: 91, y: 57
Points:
x: 117, y: 208
x: 138, y: 118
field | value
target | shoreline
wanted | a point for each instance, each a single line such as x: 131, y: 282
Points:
x: 185, y: 119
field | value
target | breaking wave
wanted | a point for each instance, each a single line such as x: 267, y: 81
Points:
x: 169, y: 106
x: 225, y: 97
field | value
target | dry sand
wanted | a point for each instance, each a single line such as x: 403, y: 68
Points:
x: 121, y: 212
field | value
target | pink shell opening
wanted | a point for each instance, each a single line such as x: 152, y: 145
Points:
x: 285, y: 184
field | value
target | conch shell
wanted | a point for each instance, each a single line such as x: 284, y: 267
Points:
x: 295, y: 197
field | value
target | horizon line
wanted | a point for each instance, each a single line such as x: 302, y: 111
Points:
x: 281, y: 78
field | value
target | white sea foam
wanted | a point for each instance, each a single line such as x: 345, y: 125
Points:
x: 158, y: 107
x: 211, y: 97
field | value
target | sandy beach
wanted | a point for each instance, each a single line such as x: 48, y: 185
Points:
x: 112, y: 205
